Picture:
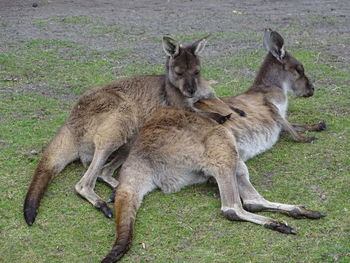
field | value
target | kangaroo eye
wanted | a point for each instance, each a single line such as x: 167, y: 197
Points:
x: 179, y: 73
x: 196, y: 72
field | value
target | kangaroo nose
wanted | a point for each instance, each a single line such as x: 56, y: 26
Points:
x: 312, y: 89
x: 191, y: 90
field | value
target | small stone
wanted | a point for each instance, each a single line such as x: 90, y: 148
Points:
x: 33, y: 152
x: 34, y: 5
x: 314, y: 188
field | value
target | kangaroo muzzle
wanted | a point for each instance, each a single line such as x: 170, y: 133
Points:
x: 310, y: 89
x: 190, y: 87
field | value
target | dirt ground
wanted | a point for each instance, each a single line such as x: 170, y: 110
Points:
x: 324, y: 24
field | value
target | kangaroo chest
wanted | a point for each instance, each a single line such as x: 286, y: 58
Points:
x: 258, y: 141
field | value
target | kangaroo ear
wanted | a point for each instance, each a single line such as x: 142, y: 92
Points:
x: 274, y: 43
x: 171, y: 46
x: 198, y: 46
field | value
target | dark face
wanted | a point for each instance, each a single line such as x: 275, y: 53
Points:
x: 184, y: 72
x: 301, y: 86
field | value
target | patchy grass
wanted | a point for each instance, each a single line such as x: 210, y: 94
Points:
x: 182, y: 227
x: 43, y: 23
x: 46, y: 61
x: 90, y: 27
x: 246, y: 35
x: 317, y: 19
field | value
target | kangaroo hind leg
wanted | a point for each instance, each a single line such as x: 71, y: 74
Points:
x: 85, y: 187
x: 254, y: 202
x: 320, y: 126
x: 117, y: 159
x: 221, y: 161
x: 113, y: 133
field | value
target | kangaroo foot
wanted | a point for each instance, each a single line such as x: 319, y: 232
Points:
x: 101, y: 205
x: 319, y: 126
x: 280, y: 227
x: 302, y: 212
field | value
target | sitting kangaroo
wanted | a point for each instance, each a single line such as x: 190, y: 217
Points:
x: 178, y: 148
x: 105, y: 121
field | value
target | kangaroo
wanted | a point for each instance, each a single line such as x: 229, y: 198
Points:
x: 177, y: 148
x: 104, y: 122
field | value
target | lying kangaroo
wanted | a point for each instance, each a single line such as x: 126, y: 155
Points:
x: 105, y: 121
x: 177, y: 148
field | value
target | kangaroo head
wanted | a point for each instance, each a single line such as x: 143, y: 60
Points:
x: 290, y: 70
x: 183, y: 67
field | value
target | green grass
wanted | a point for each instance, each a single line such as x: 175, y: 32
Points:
x: 186, y: 226
x: 46, y: 61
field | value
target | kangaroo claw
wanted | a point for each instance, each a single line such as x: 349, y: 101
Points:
x: 280, y: 227
x: 301, y: 212
x: 220, y: 118
x: 101, y: 205
x: 238, y: 111
x: 321, y: 126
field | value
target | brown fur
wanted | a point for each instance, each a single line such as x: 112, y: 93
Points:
x: 177, y: 148
x: 105, y: 121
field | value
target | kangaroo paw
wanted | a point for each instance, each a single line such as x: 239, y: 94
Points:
x: 220, y: 118
x: 238, y: 111
x: 101, y: 205
x: 223, y: 119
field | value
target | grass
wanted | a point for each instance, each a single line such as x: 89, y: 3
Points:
x: 182, y: 227
x: 43, y: 23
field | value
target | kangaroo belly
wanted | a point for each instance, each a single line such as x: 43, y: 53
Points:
x: 173, y: 180
x: 256, y: 142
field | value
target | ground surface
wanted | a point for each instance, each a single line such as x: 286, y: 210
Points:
x: 51, y: 54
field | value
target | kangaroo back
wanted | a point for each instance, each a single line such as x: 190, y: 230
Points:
x: 60, y: 152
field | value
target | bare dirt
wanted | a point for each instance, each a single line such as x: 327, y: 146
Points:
x: 322, y: 24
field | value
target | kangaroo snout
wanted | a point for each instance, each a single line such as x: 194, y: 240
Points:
x: 191, y: 90
x: 190, y: 86
x: 310, y: 91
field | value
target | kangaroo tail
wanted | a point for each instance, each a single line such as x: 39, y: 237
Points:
x: 60, y: 152
x: 126, y: 205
